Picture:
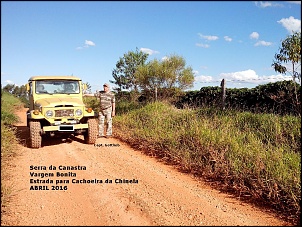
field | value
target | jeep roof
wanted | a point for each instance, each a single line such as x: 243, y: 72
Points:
x: 54, y: 78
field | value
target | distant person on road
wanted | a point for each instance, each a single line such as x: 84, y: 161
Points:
x: 107, y: 110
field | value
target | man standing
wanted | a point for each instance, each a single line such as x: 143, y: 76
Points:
x: 107, y: 110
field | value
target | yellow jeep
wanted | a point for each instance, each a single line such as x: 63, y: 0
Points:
x: 56, y: 106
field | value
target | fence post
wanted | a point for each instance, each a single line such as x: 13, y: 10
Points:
x: 223, y: 94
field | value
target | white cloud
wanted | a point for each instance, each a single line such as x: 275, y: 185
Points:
x: 295, y: 2
x: 208, y: 37
x: 262, y: 4
x: 252, y: 77
x: 149, y: 51
x: 9, y: 82
x: 242, y: 75
x: 290, y: 24
x: 234, y: 79
x: 203, y: 78
x: 202, y: 45
x: 263, y: 43
x: 87, y: 44
x: 254, y: 35
x: 228, y: 39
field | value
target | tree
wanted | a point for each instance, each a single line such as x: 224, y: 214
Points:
x: 126, y: 66
x: 9, y: 88
x: 168, y: 76
x: 20, y: 91
x: 88, y: 89
x: 290, y: 51
x: 17, y: 91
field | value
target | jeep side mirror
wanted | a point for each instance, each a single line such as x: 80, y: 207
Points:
x: 27, y: 87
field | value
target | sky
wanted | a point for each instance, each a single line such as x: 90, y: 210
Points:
x: 231, y: 40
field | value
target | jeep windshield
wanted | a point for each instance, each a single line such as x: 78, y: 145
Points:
x: 57, y: 87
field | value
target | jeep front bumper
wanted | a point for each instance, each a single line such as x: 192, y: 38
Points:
x: 64, y: 128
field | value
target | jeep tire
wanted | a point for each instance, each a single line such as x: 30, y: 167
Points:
x: 92, y: 132
x: 35, y: 140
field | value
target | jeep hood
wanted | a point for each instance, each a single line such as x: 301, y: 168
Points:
x: 53, y: 102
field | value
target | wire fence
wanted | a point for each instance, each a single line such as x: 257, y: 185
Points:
x: 253, y: 80
x: 98, y: 87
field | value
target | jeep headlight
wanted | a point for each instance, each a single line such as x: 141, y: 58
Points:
x: 78, y: 112
x: 49, y: 113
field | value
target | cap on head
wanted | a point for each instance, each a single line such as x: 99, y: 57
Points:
x: 106, y: 85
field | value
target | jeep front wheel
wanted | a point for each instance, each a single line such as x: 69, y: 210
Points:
x: 35, y: 134
x: 92, y: 132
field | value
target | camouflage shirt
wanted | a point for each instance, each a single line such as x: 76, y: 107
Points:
x: 106, y: 99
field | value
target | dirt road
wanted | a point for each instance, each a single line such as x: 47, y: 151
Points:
x: 109, y: 183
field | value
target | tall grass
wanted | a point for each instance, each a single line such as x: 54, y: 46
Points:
x: 9, y: 104
x: 9, y: 141
x: 256, y: 155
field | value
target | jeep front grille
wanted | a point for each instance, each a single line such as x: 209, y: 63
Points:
x: 64, y: 113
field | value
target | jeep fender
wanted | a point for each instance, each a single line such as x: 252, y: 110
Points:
x: 92, y: 114
x: 31, y: 115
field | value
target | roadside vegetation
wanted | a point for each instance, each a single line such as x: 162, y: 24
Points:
x: 255, y: 156
x: 9, y: 104
x: 9, y: 141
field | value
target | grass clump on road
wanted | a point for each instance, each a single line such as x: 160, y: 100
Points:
x: 256, y: 155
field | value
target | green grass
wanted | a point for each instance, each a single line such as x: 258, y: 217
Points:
x: 9, y: 141
x: 257, y: 154
x: 8, y: 105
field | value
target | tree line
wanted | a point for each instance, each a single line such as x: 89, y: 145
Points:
x: 277, y: 98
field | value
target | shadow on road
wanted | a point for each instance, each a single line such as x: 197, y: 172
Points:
x: 22, y: 133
